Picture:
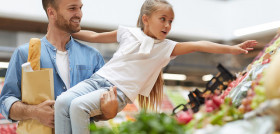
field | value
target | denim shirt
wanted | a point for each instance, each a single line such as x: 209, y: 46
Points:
x: 83, y: 62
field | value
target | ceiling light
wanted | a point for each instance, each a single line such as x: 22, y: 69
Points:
x: 179, y: 77
x: 4, y: 64
x: 207, y: 77
x: 257, y: 28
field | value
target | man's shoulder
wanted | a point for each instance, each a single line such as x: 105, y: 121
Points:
x: 23, y: 48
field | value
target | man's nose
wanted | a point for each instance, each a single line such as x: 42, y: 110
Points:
x: 79, y: 13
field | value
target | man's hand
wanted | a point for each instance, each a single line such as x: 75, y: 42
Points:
x: 108, y: 104
x: 44, y: 113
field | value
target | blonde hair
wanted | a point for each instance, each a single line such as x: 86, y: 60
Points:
x: 155, y: 98
x: 148, y: 7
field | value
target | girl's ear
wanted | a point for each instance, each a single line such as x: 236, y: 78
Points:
x: 145, y: 19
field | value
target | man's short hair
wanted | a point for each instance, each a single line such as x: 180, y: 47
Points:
x: 49, y: 3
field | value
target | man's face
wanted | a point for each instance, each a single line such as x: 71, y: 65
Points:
x: 69, y: 15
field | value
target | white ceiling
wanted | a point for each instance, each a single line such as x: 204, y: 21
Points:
x: 213, y: 19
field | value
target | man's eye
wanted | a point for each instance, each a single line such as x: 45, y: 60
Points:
x: 163, y: 19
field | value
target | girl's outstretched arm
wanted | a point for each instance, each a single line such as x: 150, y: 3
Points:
x: 210, y: 47
x: 93, y: 37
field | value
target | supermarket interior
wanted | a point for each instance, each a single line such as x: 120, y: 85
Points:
x: 203, y: 93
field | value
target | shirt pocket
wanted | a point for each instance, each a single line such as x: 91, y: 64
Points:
x: 84, y: 72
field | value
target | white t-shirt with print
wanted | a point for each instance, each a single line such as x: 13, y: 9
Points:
x: 132, y: 72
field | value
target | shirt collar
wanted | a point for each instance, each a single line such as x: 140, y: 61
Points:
x: 52, y: 47
x: 70, y: 43
x: 146, y: 42
x: 156, y: 41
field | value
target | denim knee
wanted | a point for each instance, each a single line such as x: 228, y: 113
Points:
x: 77, y: 105
x: 62, y: 104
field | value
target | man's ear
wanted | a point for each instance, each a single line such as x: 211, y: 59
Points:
x: 145, y: 19
x: 51, y: 12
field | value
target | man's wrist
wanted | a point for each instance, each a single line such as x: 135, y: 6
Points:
x: 97, y: 118
x: 21, y: 111
x: 32, y: 111
x: 103, y: 117
x: 107, y: 117
x: 231, y: 49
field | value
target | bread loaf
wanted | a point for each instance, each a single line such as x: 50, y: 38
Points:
x: 34, y: 53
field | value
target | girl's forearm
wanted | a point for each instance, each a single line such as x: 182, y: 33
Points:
x: 106, y: 37
x: 211, y: 47
x: 200, y: 46
x: 85, y: 35
x: 93, y: 37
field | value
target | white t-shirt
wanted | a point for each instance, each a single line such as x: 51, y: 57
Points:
x: 132, y: 72
x: 62, y: 63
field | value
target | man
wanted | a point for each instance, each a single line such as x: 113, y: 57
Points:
x: 71, y: 61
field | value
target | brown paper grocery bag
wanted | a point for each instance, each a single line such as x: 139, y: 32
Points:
x: 36, y: 87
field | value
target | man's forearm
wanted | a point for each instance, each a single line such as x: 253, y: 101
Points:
x: 21, y: 111
x: 42, y: 112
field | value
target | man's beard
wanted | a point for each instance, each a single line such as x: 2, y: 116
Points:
x: 65, y: 25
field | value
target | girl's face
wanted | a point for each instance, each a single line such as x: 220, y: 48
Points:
x: 158, y: 24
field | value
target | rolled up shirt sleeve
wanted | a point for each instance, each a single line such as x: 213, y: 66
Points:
x: 11, y: 91
x: 6, y: 106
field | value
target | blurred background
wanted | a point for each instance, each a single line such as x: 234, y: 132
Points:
x: 223, y: 21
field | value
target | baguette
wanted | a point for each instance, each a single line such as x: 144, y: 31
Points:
x: 34, y: 53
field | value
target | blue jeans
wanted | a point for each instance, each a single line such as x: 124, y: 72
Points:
x: 74, y: 107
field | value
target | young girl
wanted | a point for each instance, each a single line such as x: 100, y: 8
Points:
x: 135, y: 68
